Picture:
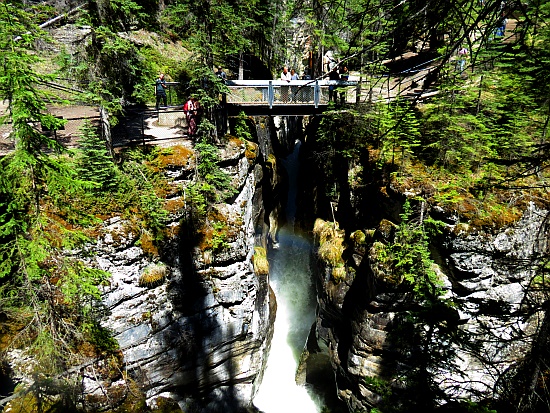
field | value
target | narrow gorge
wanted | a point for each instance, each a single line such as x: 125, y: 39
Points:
x: 340, y: 207
x: 195, y: 326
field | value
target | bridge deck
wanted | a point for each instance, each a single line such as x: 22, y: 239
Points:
x: 256, y: 109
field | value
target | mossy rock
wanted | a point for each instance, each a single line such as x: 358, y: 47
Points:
x: 176, y: 155
x: 358, y: 237
x: 166, y: 405
x: 55, y: 397
x: 133, y: 402
x: 386, y: 229
x: 251, y: 151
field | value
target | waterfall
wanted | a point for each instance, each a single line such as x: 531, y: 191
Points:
x: 292, y: 283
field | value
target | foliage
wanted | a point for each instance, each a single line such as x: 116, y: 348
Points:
x: 241, y: 128
x: 219, y: 236
x: 43, y: 209
x: 213, y: 183
x: 94, y: 163
x: 402, y: 130
x: 55, y: 294
x: 379, y: 387
x: 408, y: 260
x: 425, y: 333
x: 215, y: 30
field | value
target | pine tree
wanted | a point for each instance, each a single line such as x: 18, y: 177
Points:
x: 94, y: 163
x: 50, y: 292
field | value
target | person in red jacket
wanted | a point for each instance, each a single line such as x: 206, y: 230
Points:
x: 191, y: 109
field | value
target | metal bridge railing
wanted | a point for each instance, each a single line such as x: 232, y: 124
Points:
x: 277, y: 92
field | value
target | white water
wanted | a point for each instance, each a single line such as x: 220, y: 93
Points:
x: 291, y: 281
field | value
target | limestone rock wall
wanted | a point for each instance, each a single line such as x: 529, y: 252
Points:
x: 486, y: 274
x: 202, y: 332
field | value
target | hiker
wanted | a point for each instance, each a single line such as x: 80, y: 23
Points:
x: 160, y: 91
x: 221, y: 74
x: 462, y: 53
x: 191, y: 109
x: 285, y: 77
x: 333, y: 75
x: 294, y: 89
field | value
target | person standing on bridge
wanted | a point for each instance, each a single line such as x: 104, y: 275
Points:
x: 294, y: 89
x: 333, y: 75
x: 344, y: 73
x: 285, y: 77
x: 221, y: 74
x: 160, y: 91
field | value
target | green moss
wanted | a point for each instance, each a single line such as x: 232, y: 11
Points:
x: 358, y: 237
x: 165, y: 405
x: 174, y: 156
x: 133, y: 401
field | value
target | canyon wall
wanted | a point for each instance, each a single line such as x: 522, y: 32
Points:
x: 391, y: 348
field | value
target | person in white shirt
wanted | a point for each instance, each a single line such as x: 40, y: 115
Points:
x: 285, y: 77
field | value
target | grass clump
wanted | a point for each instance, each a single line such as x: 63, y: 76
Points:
x: 331, y: 245
x: 153, y: 275
x: 261, y: 264
x: 339, y: 273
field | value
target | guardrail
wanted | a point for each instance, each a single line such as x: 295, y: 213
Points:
x: 299, y: 92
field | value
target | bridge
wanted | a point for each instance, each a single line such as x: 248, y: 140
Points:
x: 281, y: 98
x: 168, y: 126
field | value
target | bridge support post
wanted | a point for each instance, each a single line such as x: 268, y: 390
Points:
x: 270, y: 95
x: 316, y: 94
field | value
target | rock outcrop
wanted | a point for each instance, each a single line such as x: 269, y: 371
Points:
x: 466, y: 349
x: 201, y: 329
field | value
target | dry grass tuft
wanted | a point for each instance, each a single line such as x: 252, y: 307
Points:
x: 153, y: 275
x: 261, y: 264
x: 331, y: 241
x: 339, y: 273
x: 331, y: 250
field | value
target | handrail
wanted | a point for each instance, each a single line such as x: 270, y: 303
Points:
x: 312, y: 83
x: 269, y: 92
